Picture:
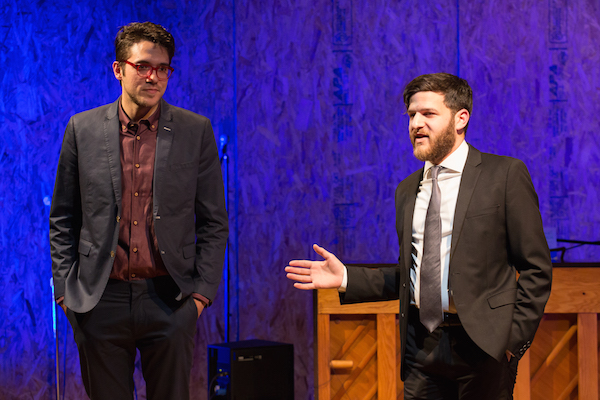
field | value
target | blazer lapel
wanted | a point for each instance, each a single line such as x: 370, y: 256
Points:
x: 164, y: 140
x: 111, y: 139
x: 467, y: 186
x: 409, y: 210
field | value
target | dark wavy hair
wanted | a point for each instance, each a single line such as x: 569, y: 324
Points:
x: 136, y: 32
x: 457, y: 92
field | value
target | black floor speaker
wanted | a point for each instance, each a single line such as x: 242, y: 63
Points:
x: 251, y: 370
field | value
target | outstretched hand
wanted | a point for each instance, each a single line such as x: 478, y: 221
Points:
x: 326, y: 274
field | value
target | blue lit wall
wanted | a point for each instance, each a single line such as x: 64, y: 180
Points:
x: 308, y: 94
x: 56, y: 60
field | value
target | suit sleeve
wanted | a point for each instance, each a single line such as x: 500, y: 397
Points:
x: 65, y: 212
x: 366, y: 284
x: 529, y: 253
x: 211, y: 218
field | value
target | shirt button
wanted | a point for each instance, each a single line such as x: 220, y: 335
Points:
x: 133, y: 275
x: 135, y: 223
x: 153, y: 126
x: 136, y: 194
x: 137, y: 165
x: 135, y: 249
x: 138, y: 137
x: 162, y: 252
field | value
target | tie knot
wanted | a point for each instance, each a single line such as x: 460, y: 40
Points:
x: 435, y: 170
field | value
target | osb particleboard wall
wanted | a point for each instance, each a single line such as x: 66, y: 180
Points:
x: 309, y: 95
x: 56, y: 59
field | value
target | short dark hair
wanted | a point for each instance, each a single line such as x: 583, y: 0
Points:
x: 457, y: 92
x: 136, y: 32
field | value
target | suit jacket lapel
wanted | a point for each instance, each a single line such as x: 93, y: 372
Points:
x: 409, y: 210
x: 164, y: 139
x: 111, y: 139
x: 164, y: 136
x: 467, y: 186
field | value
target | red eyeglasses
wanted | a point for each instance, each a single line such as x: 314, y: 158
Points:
x: 163, y: 72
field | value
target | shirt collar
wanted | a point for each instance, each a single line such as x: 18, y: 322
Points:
x: 455, y: 161
x: 151, y: 121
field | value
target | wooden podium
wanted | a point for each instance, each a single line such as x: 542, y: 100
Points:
x: 358, y: 351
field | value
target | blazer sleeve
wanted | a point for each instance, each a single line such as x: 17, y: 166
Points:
x: 528, y: 252
x: 367, y: 284
x: 211, y: 226
x: 65, y: 212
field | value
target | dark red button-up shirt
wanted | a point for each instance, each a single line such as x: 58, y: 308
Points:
x: 137, y: 254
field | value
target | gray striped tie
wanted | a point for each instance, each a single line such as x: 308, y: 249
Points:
x: 430, y: 291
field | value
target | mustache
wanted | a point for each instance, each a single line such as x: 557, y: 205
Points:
x: 418, y: 133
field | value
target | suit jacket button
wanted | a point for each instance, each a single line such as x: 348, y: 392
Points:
x: 118, y: 218
x: 112, y: 253
x: 162, y: 252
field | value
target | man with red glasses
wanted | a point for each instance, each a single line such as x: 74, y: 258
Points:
x: 138, y: 226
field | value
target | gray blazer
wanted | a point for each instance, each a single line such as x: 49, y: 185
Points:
x: 189, y: 213
x: 497, y: 232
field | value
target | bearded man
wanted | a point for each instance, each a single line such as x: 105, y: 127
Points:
x: 467, y: 222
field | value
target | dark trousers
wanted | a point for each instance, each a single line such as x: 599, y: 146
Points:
x: 447, y: 365
x: 142, y: 315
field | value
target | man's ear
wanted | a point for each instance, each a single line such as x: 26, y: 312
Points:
x: 461, y: 119
x: 117, y: 70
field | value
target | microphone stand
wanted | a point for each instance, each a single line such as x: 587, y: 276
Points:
x: 57, y: 367
x: 224, y: 159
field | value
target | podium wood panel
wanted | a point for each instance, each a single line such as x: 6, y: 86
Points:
x: 574, y: 290
x: 323, y: 372
x: 364, y: 335
x: 386, y: 356
x: 587, y: 345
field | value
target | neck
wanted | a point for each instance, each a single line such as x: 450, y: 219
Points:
x: 136, y: 112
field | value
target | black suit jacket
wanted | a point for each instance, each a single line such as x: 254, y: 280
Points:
x: 497, y: 231
x: 190, y: 220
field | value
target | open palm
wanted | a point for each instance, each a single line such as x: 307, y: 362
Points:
x: 326, y: 274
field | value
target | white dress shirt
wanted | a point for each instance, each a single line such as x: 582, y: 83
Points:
x: 449, y: 182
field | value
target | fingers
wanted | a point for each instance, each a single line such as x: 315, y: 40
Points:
x: 304, y: 286
x: 299, y: 278
x: 199, y: 306
x: 301, y: 263
x: 302, y: 271
x: 299, y: 271
x: 307, y: 263
x: 321, y: 251
x: 301, y: 275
